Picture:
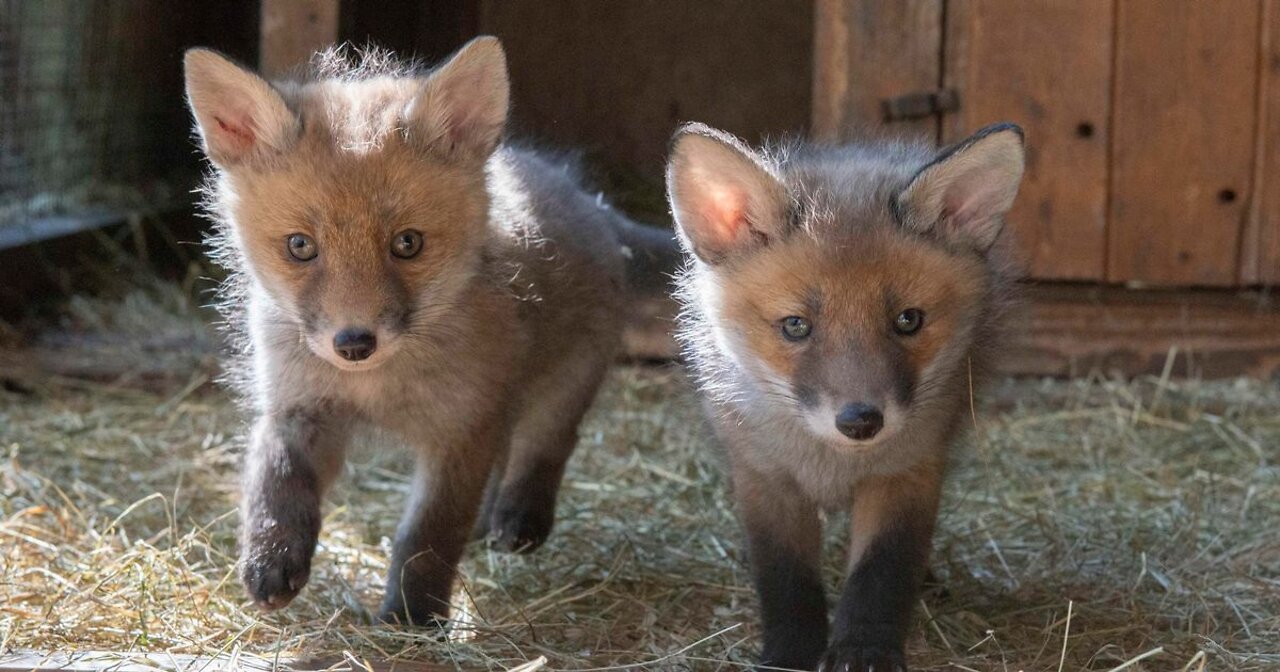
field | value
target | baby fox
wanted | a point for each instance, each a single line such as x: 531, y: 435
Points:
x: 396, y: 268
x: 836, y: 301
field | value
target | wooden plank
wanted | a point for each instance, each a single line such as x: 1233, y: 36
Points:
x: 613, y: 79
x: 955, y: 67
x: 1182, y: 140
x: 428, y: 30
x: 292, y: 30
x: 1046, y: 65
x: 115, y: 661
x: 649, y: 334
x: 1076, y: 330
x: 866, y: 51
x: 1260, y: 249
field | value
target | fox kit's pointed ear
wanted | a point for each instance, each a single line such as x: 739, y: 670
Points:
x: 463, y: 105
x: 724, y: 197
x: 239, y: 116
x: 964, y: 194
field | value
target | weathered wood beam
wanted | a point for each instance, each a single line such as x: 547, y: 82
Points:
x: 292, y: 30
x: 1077, y: 330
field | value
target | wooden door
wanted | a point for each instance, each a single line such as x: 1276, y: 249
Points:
x: 1186, y: 76
x: 1045, y: 65
x: 1153, y: 126
x: 868, y: 51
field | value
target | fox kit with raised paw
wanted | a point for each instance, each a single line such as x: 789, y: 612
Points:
x: 396, y: 268
x: 837, y: 302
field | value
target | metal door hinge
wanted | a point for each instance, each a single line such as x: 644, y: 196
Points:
x: 920, y: 104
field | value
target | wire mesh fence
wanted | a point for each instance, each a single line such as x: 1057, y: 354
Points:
x: 92, y: 125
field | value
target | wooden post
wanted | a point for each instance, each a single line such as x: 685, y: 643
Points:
x: 868, y: 51
x: 292, y: 30
x: 1260, y: 247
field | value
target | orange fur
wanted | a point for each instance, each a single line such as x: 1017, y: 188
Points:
x: 821, y: 396
x: 853, y: 291
x: 480, y: 349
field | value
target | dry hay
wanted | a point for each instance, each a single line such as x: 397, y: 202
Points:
x: 1089, y: 525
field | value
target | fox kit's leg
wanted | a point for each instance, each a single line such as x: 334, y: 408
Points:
x: 523, y: 507
x: 481, y: 529
x: 436, y: 526
x: 893, y: 520
x: 784, y: 539
x: 293, y: 457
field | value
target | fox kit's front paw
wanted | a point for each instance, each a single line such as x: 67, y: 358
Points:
x: 398, y: 613
x: 522, y: 526
x: 275, y: 570
x: 859, y: 658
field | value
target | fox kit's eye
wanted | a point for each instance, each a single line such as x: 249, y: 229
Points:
x: 301, y: 247
x: 908, y: 321
x: 407, y: 244
x: 796, y: 328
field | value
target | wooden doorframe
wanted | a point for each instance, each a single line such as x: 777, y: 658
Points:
x: 868, y: 51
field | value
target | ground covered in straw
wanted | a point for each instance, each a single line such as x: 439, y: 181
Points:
x: 1089, y: 525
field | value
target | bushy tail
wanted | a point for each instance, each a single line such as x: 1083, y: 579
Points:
x: 653, y: 258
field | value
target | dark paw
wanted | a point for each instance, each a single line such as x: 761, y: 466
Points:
x: 785, y: 662
x: 521, y: 528
x: 856, y: 658
x: 274, y: 576
x: 427, y: 619
x: 793, y: 648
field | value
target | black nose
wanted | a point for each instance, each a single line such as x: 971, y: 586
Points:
x: 355, y: 344
x: 859, y: 421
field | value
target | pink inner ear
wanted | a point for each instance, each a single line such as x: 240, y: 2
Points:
x: 460, y: 124
x: 237, y: 137
x: 952, y: 205
x: 465, y: 107
x: 968, y: 202
x: 725, y: 210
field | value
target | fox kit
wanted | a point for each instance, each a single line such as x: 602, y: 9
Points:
x: 396, y: 268
x: 837, y: 300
